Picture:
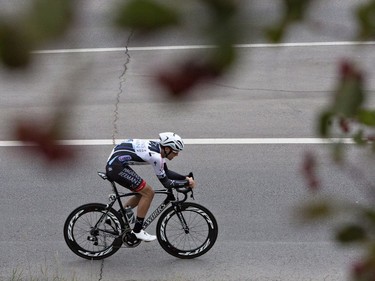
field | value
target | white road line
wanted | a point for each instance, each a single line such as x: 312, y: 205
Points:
x: 190, y: 47
x: 212, y: 141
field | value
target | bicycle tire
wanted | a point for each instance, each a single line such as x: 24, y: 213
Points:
x: 88, y: 243
x: 202, y: 234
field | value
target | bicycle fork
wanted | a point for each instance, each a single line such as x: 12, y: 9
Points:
x: 180, y: 216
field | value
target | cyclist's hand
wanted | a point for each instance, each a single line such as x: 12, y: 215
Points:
x: 191, y: 182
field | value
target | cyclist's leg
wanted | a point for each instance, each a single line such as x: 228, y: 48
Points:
x: 138, y: 185
x: 144, y: 204
x: 133, y: 201
x: 145, y: 201
x: 126, y: 177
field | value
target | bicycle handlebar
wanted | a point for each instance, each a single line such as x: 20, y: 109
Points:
x: 186, y: 189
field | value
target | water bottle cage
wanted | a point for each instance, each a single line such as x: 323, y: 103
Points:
x: 112, y: 197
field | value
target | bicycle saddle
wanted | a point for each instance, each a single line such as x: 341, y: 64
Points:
x: 103, y: 175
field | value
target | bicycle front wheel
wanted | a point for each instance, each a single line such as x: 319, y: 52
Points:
x: 189, y: 234
x: 93, y: 232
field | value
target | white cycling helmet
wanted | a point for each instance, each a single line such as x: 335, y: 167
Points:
x: 172, y: 140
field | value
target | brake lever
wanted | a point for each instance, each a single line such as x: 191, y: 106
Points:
x: 192, y: 193
x: 191, y: 190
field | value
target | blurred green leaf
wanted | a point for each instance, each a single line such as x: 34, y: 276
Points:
x: 366, y: 19
x: 14, y: 46
x: 349, y: 97
x: 45, y: 20
x: 146, y: 15
x: 221, y: 9
x: 371, y: 250
x: 324, y: 123
x: 358, y: 138
x: 351, y: 233
x: 295, y: 9
x: 275, y: 33
x: 222, y: 58
x: 49, y: 19
x: 369, y: 214
x: 367, y: 117
x: 314, y: 210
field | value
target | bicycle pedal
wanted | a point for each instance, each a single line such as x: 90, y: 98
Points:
x: 130, y: 240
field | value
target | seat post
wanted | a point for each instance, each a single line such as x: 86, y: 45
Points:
x: 114, y: 188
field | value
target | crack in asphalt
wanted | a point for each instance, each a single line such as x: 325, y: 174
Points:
x: 101, y: 270
x: 116, y: 114
x: 120, y: 89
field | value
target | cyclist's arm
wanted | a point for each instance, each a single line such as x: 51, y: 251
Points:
x: 164, y: 177
x: 173, y: 175
x: 169, y: 183
x: 176, y: 176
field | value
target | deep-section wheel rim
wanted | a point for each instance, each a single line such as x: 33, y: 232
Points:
x: 196, y: 240
x: 88, y: 241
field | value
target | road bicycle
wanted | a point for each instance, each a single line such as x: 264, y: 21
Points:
x: 185, y: 230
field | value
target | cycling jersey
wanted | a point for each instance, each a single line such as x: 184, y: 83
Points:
x: 145, y: 152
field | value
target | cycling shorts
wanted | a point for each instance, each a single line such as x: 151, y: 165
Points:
x: 125, y: 176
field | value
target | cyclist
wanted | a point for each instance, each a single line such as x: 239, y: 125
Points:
x: 155, y: 153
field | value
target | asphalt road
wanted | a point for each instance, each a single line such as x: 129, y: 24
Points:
x: 252, y: 189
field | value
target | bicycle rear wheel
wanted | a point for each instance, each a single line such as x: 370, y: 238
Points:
x: 193, y: 241
x: 92, y: 233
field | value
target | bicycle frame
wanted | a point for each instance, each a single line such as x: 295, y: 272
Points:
x: 170, y: 199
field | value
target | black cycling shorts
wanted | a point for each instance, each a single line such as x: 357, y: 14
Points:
x: 125, y: 176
